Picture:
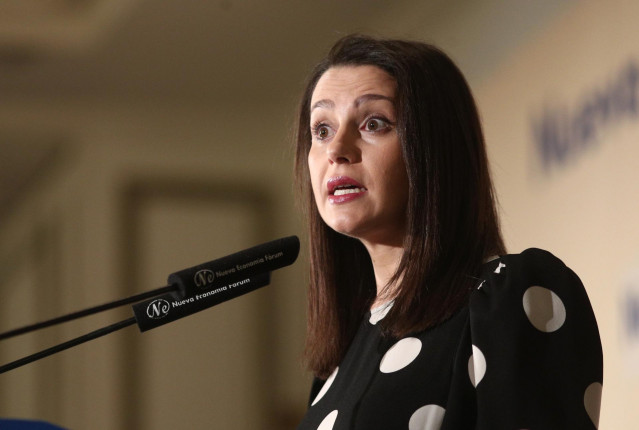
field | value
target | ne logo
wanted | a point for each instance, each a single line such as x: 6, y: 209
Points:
x: 158, y: 308
x: 204, y: 277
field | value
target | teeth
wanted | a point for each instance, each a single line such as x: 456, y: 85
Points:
x: 342, y: 191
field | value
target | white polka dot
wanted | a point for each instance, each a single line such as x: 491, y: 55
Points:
x: 476, y: 366
x: 378, y: 313
x: 427, y: 417
x: 326, y: 386
x: 592, y: 402
x: 328, y: 422
x: 400, y: 355
x: 544, y: 309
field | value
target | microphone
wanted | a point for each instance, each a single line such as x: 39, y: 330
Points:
x: 217, y: 281
x: 235, y: 267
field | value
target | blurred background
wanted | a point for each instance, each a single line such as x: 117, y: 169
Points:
x: 141, y: 137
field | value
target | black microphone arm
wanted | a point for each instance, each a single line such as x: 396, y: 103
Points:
x: 188, y: 291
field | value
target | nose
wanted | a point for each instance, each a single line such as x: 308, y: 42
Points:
x: 343, y: 148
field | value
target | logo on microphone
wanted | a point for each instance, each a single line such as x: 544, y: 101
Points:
x: 158, y: 308
x: 203, y: 277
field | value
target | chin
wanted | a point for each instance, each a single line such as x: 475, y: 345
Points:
x: 370, y: 235
x: 345, y: 228
x: 345, y: 231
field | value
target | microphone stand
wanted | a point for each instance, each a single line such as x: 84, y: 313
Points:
x: 76, y: 315
x: 86, y: 312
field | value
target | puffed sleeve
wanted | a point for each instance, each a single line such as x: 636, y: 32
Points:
x: 536, y: 360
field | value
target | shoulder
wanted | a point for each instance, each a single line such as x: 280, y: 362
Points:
x: 535, y: 288
x: 535, y: 338
x: 513, y: 273
x: 531, y: 264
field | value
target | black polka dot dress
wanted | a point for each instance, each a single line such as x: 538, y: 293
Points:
x: 524, y: 354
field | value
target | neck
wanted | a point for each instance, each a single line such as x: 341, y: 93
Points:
x: 385, y: 259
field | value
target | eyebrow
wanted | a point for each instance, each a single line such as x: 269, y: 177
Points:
x: 325, y: 103
x: 329, y: 104
x: 370, y: 97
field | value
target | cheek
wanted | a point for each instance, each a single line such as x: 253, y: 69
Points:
x: 314, y: 170
x: 396, y: 172
x: 392, y: 164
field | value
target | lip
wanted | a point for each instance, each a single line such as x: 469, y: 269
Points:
x: 340, y: 181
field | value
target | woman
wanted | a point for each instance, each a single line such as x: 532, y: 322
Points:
x: 417, y: 318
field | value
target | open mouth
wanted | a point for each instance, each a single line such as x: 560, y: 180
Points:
x: 347, y: 189
x: 343, y: 185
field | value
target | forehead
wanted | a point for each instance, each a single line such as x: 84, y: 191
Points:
x: 348, y: 82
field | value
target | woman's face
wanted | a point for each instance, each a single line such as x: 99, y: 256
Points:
x: 357, y: 170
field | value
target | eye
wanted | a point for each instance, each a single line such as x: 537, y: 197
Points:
x: 321, y: 131
x: 376, y: 124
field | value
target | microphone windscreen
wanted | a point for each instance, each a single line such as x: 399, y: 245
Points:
x: 167, y: 308
x: 240, y: 265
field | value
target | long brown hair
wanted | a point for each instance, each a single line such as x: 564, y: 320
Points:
x: 452, y: 223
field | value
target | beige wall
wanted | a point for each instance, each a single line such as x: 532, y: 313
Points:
x: 583, y: 209
x: 206, y: 185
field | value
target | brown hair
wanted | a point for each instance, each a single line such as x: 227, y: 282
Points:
x: 452, y: 224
